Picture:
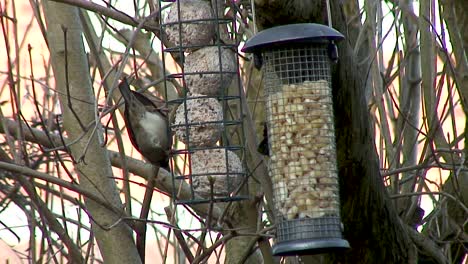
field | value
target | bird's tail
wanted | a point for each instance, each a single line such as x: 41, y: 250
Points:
x: 125, y: 90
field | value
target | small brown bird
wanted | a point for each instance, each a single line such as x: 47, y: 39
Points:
x: 147, y: 126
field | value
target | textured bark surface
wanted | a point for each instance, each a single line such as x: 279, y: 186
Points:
x: 244, y: 218
x: 371, y: 224
x: 93, y: 165
x: 272, y: 13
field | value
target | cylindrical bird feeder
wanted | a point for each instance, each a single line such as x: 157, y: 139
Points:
x: 296, y: 62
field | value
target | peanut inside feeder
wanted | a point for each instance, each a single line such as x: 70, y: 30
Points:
x: 302, y: 150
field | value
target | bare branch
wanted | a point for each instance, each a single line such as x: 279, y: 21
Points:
x: 111, y: 13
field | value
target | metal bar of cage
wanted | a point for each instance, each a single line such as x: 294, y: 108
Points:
x: 228, y: 123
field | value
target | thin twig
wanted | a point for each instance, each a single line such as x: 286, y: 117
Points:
x: 111, y: 13
x: 178, y: 235
x: 46, y: 177
x: 67, y: 80
x: 209, y: 250
x: 145, y: 208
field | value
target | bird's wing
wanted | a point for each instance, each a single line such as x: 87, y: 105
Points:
x: 125, y: 90
x: 128, y: 123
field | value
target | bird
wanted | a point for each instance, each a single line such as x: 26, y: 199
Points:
x: 263, y: 146
x: 147, y: 126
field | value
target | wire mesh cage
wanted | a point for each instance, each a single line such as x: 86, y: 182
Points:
x: 207, y: 112
x: 302, y: 148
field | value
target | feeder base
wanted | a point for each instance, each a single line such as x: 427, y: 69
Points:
x: 309, y: 246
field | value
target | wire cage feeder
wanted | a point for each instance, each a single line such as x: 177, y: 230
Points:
x: 207, y: 113
x: 296, y: 62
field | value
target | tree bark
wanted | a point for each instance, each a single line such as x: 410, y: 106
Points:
x: 244, y: 216
x: 371, y: 224
x: 92, y: 162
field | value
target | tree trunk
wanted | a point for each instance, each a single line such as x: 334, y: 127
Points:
x: 371, y: 224
x: 92, y: 162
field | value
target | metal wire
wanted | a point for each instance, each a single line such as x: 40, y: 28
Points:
x: 209, y: 123
x: 295, y: 65
x: 318, y: 228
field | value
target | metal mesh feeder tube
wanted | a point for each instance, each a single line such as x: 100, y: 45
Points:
x: 296, y: 63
